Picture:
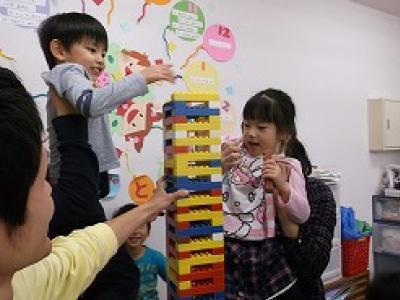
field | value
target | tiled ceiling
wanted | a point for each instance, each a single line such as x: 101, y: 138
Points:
x: 388, y: 6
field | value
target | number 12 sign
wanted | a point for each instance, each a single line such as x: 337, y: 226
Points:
x: 219, y: 42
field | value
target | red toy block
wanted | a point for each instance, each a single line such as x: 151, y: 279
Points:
x: 216, y: 192
x: 203, y: 271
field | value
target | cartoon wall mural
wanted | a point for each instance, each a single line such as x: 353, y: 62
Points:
x: 172, y: 27
x: 131, y: 61
x: 138, y: 118
x: 134, y: 119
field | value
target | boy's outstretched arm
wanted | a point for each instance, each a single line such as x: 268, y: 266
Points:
x: 72, y: 82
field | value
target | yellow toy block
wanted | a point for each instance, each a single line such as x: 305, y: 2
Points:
x: 216, y: 217
x: 195, y: 96
x: 213, y: 123
x: 198, y: 200
x: 185, y: 158
x: 183, y: 266
x: 182, y: 134
x: 196, y: 141
x: 197, y: 244
x: 181, y: 285
x: 192, y: 171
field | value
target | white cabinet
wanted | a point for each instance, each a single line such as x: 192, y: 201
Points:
x: 384, y: 124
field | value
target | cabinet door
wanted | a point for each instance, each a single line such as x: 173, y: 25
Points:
x: 392, y: 124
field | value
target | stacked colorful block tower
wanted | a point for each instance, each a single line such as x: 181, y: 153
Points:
x: 195, y: 243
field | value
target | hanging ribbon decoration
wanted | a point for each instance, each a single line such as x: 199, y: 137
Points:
x: 2, y: 54
x: 147, y: 3
x: 191, y: 55
x: 164, y: 36
x: 110, y: 11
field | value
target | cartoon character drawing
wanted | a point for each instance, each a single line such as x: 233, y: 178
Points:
x: 136, y: 117
x: 246, y: 173
x: 131, y: 61
x: 138, y: 120
x: 244, y: 179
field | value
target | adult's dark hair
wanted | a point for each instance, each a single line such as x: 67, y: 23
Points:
x: 126, y: 208
x: 384, y: 287
x: 69, y: 28
x: 277, y: 107
x: 20, y: 148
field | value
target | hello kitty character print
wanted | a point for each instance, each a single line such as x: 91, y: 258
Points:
x: 248, y: 211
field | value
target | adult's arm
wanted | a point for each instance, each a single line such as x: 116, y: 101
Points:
x: 75, y: 196
x: 71, y: 266
x: 309, y: 252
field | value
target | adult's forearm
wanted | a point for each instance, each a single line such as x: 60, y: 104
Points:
x: 124, y: 225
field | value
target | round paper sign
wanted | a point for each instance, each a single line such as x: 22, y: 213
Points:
x: 219, y: 42
x: 186, y: 20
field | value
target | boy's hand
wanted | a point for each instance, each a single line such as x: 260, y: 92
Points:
x: 62, y: 106
x: 230, y: 156
x: 158, y: 72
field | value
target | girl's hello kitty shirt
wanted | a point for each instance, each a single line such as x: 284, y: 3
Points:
x: 249, y: 212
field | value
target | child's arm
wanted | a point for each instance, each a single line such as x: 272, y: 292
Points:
x: 72, y: 82
x: 162, y: 265
x: 296, y: 204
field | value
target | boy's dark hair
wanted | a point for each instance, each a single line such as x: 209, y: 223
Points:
x: 277, y: 107
x: 69, y: 28
x: 20, y: 148
x: 126, y: 208
x: 384, y: 286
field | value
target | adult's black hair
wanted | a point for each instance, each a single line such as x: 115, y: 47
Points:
x: 275, y: 106
x: 20, y: 148
x: 69, y: 28
x: 126, y: 208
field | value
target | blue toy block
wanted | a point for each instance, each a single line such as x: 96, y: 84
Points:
x: 181, y: 109
x: 215, y: 163
x: 175, y: 183
x: 195, y: 230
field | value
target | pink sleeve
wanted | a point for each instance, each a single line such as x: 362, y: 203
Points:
x: 297, y: 206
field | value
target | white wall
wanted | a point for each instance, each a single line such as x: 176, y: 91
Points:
x: 330, y: 56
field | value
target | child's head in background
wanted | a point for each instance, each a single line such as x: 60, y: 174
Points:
x: 74, y: 38
x: 139, y: 236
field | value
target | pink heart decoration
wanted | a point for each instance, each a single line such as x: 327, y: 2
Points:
x: 98, y: 2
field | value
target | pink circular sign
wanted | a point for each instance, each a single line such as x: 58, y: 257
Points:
x: 219, y: 42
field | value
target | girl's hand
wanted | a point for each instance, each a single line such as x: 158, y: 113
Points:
x: 278, y: 172
x: 158, y: 72
x: 230, y: 156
